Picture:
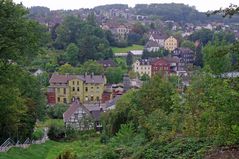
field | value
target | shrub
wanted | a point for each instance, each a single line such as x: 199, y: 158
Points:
x: 38, y: 134
x: 67, y: 154
x: 71, y: 133
x: 56, y: 132
x: 56, y: 112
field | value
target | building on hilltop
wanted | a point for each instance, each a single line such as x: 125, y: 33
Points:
x: 67, y: 88
x: 150, y: 67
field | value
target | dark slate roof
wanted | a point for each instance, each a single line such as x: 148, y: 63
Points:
x: 57, y: 78
x: 107, y: 63
x: 153, y: 31
x: 147, y: 61
x: 184, y: 50
x: 113, y: 101
x: 151, y: 43
x: 96, y: 114
x: 159, y: 36
x: 172, y: 59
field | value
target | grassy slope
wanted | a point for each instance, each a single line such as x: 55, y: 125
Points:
x: 127, y: 49
x: 51, y: 149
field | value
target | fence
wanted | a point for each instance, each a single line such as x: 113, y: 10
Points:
x: 9, y: 143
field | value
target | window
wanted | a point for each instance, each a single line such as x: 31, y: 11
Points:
x: 86, y: 89
x: 73, y: 89
x: 73, y: 82
x: 92, y: 87
x: 64, y: 100
x: 91, y: 98
x: 97, y: 98
x: 58, y: 90
x: 98, y: 88
x: 64, y: 90
x: 78, y: 89
x: 58, y: 99
x: 77, y: 82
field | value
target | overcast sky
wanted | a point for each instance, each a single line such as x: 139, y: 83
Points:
x: 202, y: 5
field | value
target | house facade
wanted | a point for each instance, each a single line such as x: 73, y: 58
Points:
x: 67, y: 88
x: 170, y: 43
x: 186, y: 55
x: 165, y: 66
x: 160, y: 66
x: 143, y: 66
x: 78, y: 117
x: 159, y: 38
x: 152, y: 46
x: 83, y: 116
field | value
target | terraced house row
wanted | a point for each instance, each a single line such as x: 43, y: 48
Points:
x: 67, y: 88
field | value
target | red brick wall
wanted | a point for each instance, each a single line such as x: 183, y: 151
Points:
x: 51, y: 98
x: 160, y: 66
x: 106, y: 96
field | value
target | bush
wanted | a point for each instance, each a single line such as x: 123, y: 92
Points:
x: 38, y: 134
x: 56, y: 132
x: 67, y: 154
x: 71, y: 133
x: 56, y: 112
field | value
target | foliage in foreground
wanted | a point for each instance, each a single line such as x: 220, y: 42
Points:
x: 174, y: 124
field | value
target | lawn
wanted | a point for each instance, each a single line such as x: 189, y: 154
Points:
x: 84, y: 148
x: 127, y: 49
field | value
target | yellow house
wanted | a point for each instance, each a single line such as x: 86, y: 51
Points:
x: 66, y: 88
x: 170, y: 43
x: 142, y: 66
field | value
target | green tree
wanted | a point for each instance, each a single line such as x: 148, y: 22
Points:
x: 188, y: 44
x: 198, y: 57
x: 211, y: 109
x: 66, y: 68
x: 204, y: 35
x: 22, y: 102
x: 114, y: 74
x: 91, y: 67
x: 91, y: 19
x: 68, y: 32
x: 129, y: 59
x: 20, y: 37
x: 71, y: 54
x: 217, y: 57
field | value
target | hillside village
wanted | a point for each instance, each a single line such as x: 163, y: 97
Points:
x: 150, y: 81
x: 168, y: 49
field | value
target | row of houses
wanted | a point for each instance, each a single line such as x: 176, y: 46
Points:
x: 87, y: 96
x: 66, y: 88
x: 176, y: 63
x: 158, y: 40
